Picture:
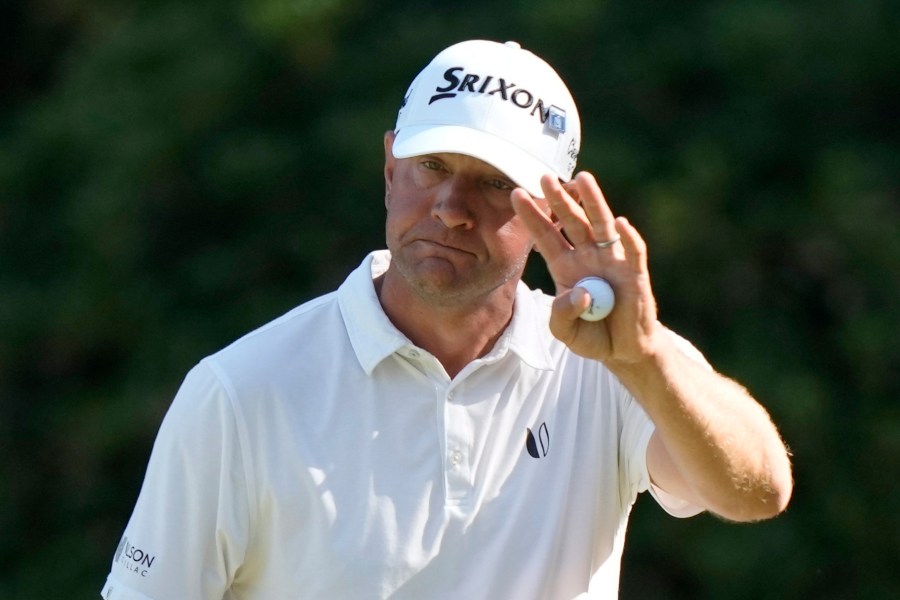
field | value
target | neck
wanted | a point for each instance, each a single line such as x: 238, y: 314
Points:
x: 455, y: 335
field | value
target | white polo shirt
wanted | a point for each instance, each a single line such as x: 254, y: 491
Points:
x: 326, y: 456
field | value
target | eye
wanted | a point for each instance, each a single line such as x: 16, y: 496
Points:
x: 432, y: 165
x: 503, y: 185
x: 497, y: 190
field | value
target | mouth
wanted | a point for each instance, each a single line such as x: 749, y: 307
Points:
x: 444, y: 250
x: 444, y: 246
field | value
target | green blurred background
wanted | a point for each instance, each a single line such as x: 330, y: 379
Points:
x: 173, y: 174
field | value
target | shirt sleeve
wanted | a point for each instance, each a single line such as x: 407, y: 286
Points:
x: 636, y: 433
x: 635, y: 439
x: 190, y: 527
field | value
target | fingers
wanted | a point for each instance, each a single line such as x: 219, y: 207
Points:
x: 544, y: 232
x: 634, y: 245
x: 571, y: 237
x: 595, y: 207
x: 571, y: 216
x: 581, y: 209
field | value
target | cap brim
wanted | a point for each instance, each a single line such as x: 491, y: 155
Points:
x: 523, y: 168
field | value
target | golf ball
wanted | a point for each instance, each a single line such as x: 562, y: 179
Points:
x: 602, y: 298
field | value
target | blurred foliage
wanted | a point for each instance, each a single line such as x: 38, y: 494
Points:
x: 174, y: 174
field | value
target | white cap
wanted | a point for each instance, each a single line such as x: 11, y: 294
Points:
x: 498, y: 103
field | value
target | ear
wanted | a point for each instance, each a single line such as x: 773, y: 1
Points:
x: 389, y: 161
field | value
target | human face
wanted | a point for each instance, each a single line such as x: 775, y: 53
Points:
x: 451, y: 229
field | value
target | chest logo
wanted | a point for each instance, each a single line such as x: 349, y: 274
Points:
x: 538, y: 445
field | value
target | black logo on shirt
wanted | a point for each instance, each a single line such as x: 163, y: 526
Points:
x: 539, y: 446
x: 132, y: 558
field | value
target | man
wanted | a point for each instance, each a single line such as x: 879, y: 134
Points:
x: 434, y: 429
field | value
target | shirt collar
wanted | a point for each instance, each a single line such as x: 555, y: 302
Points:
x: 372, y: 334
x: 374, y: 337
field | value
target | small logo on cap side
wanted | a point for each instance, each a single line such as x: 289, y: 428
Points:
x: 573, y: 154
x: 556, y: 119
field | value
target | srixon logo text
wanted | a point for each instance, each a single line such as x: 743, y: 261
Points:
x: 133, y: 558
x: 458, y: 81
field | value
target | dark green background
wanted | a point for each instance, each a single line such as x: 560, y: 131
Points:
x: 173, y: 174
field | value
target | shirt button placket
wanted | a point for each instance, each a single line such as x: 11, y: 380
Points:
x: 458, y: 481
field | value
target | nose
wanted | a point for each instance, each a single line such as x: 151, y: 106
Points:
x: 451, y: 203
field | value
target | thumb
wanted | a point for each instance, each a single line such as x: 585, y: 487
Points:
x: 570, y: 304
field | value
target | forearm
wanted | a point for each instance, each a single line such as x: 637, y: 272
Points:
x: 720, y: 442
x: 717, y: 443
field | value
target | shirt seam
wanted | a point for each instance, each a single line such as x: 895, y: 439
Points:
x: 244, y: 446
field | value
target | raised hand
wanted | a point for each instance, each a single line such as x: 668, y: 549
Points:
x: 580, y: 237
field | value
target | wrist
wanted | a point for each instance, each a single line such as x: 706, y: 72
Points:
x: 648, y: 365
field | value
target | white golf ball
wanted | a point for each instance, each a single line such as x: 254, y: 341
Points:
x: 602, y: 298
